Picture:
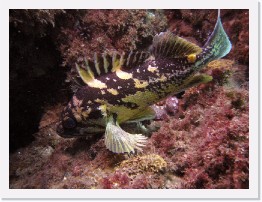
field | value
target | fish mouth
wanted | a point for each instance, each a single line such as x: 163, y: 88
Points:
x: 59, y: 129
x: 70, y: 133
x: 65, y: 133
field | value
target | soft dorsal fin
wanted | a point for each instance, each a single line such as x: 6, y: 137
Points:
x: 110, y: 62
x: 169, y: 45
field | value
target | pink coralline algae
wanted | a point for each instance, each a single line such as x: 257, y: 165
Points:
x: 208, y: 142
x: 117, y: 180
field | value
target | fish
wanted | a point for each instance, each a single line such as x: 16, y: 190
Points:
x: 120, y: 87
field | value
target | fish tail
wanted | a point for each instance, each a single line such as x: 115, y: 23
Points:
x: 218, y: 44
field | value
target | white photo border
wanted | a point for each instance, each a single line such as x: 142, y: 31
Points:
x: 254, y: 174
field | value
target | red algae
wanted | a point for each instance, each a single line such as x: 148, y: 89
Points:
x: 209, y: 142
x: 115, y: 181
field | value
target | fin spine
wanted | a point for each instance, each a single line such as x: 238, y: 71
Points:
x: 89, y: 71
x: 106, y: 64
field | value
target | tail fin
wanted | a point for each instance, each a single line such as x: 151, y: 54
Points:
x: 218, y: 43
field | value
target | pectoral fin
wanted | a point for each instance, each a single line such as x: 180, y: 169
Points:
x: 119, y: 141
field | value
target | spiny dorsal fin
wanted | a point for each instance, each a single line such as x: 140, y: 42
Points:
x: 169, y: 45
x: 135, y: 58
x: 110, y: 62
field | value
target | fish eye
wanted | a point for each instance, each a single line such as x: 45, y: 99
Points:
x: 69, y: 123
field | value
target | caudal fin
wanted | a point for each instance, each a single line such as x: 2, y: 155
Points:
x: 218, y: 43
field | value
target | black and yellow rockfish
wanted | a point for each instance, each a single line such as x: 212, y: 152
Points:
x: 120, y: 87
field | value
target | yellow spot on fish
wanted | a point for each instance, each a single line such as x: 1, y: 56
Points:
x: 103, y: 109
x: 86, y: 113
x: 123, y: 75
x: 89, y: 102
x: 97, y: 100
x: 140, y: 83
x: 162, y: 78
x: 77, y: 117
x: 96, y: 84
x: 112, y: 91
x: 103, y: 92
x: 191, y: 58
x: 152, y: 69
x: 77, y: 113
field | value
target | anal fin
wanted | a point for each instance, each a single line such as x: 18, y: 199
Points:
x: 195, y: 80
x: 146, y: 114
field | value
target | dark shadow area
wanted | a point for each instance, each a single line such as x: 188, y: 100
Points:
x: 35, y: 81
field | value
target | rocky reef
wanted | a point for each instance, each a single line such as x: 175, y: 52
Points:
x: 202, y: 143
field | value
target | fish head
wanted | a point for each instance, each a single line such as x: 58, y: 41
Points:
x: 68, y: 125
x: 74, y: 123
